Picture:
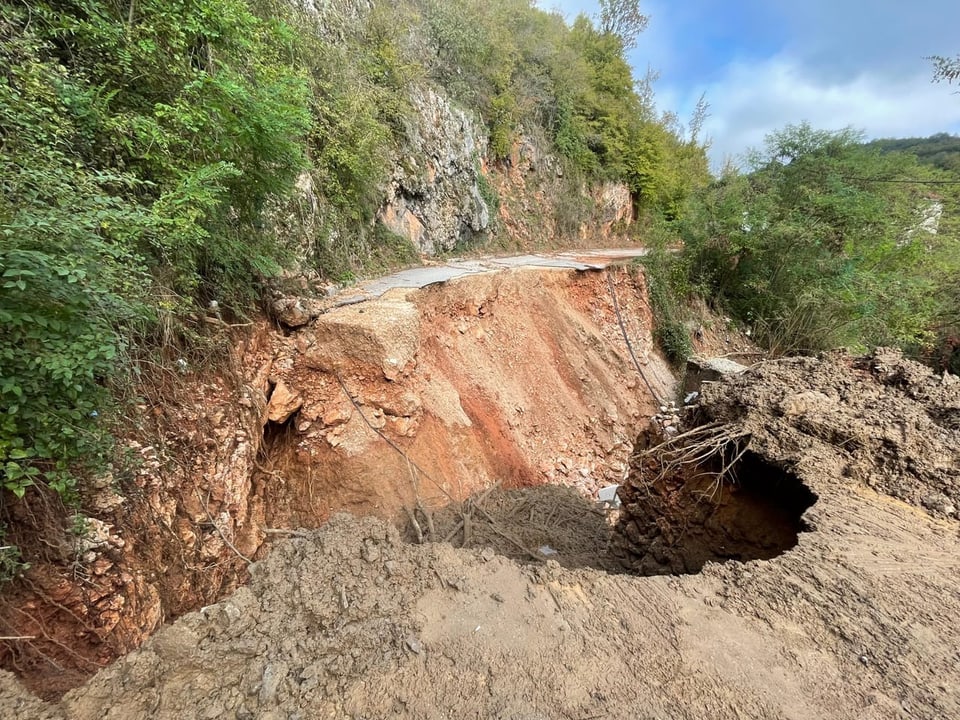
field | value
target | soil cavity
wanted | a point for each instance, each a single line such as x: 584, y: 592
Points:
x: 676, y: 523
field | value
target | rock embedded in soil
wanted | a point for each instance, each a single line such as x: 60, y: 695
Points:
x: 700, y: 370
x: 284, y: 402
x: 382, y: 333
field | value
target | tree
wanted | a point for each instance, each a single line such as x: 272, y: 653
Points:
x: 623, y: 19
x: 945, y: 68
x: 820, y: 245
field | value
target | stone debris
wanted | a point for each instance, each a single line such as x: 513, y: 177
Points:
x: 608, y: 496
x: 284, y: 402
x: 700, y: 370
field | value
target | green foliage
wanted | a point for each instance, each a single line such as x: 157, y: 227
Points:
x: 195, y: 99
x: 668, y: 291
x: 140, y: 145
x: 623, y: 19
x: 489, y: 193
x: 821, y: 245
x: 359, y: 108
x: 370, y: 248
x: 11, y: 561
x: 941, y: 150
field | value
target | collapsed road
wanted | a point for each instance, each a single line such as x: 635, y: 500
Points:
x: 790, y: 552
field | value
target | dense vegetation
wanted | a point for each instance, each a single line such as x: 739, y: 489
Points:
x: 138, y: 152
x: 941, y: 150
x: 826, y: 241
x: 148, y: 153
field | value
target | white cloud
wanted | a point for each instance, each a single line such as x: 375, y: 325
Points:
x: 750, y: 100
x: 833, y: 63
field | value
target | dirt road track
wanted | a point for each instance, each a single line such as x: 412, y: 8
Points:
x: 848, y: 625
x: 440, y: 272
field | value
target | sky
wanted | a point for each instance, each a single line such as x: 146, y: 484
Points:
x: 763, y: 64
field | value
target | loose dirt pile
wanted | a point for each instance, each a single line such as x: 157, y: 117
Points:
x: 858, y: 620
x: 730, y: 487
x: 882, y: 421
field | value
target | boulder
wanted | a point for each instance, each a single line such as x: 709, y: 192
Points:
x: 384, y: 333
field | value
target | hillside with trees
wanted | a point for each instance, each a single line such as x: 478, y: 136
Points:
x: 824, y: 241
x: 941, y: 150
x: 149, y: 151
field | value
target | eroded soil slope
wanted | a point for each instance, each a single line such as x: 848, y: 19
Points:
x: 420, y: 398
x: 399, y: 404
x: 857, y: 621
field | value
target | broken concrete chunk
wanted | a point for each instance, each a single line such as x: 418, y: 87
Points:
x: 608, y: 496
x: 701, y: 370
x: 413, y: 644
x: 273, y: 674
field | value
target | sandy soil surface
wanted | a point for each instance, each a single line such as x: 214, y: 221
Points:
x: 858, y: 620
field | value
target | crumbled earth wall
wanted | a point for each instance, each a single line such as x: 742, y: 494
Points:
x: 424, y: 397
x: 880, y: 421
x: 157, y: 537
x: 419, y: 398
x: 857, y: 621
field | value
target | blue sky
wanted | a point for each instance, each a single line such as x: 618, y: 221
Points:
x: 834, y: 63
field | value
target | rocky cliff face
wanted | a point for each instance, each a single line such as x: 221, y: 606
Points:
x: 443, y: 189
x: 540, y: 205
x: 434, y: 198
x: 444, y: 192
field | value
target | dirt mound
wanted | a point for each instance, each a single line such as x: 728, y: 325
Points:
x: 880, y: 420
x: 857, y: 620
x: 732, y: 485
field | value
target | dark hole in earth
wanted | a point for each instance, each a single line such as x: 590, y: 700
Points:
x: 673, y: 526
x: 678, y: 523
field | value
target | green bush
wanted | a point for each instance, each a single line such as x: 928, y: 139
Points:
x: 140, y: 145
x: 667, y: 291
x: 818, y: 246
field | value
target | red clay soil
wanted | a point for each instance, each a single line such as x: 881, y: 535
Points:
x: 856, y: 621
x: 421, y: 398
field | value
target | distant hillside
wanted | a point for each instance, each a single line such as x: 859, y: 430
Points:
x: 941, y: 150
